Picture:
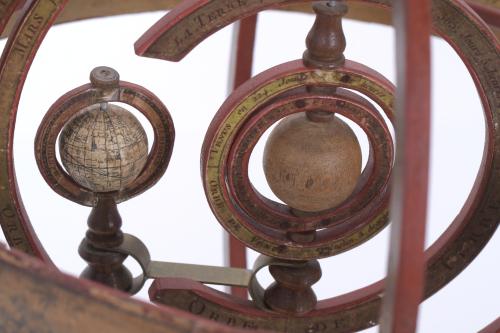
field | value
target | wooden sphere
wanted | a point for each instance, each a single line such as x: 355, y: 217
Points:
x: 103, y: 149
x: 312, y: 165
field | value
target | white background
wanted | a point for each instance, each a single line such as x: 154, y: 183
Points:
x: 174, y: 219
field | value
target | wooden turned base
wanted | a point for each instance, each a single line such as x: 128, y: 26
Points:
x: 105, y: 267
x: 104, y: 233
x: 292, y: 292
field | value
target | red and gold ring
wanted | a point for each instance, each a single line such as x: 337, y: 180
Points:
x: 446, y: 258
x: 230, y: 194
x: 74, y: 101
x: 372, y: 182
x: 354, y: 213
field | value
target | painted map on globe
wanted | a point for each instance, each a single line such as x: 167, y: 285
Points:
x: 103, y: 149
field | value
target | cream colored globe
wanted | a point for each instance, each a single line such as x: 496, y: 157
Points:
x: 103, y: 149
x: 312, y: 166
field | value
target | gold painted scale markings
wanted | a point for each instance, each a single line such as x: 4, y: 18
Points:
x: 39, y: 19
x: 446, y: 14
x: 485, y: 61
x: 22, y: 50
x: 221, y: 144
x: 11, y: 78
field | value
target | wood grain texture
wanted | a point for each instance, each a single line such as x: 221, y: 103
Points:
x: 312, y: 165
x: 326, y: 41
x: 104, y: 233
x: 36, y: 298
x: 192, y: 21
x: 84, y: 9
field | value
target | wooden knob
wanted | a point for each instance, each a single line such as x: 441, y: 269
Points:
x: 312, y: 163
x: 292, y: 292
x: 104, y: 77
x: 326, y: 41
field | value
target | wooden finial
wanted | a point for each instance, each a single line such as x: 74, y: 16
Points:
x: 104, y: 232
x: 104, y: 77
x: 326, y: 41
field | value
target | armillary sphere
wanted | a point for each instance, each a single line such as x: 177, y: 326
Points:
x: 312, y: 162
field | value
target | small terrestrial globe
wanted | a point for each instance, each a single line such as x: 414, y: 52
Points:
x: 103, y: 149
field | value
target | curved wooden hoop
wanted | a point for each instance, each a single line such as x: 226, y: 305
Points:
x: 446, y: 258
x: 371, y: 184
x: 84, y: 9
x: 74, y: 101
x: 192, y: 21
x: 244, y: 104
x: 340, y: 223
x: 468, y: 240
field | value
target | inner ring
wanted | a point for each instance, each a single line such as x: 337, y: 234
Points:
x: 370, y: 184
x: 363, y: 226
x: 232, y: 116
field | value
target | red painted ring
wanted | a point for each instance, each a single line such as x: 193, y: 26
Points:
x: 446, y: 258
x: 372, y: 183
x: 277, y: 216
x: 245, y: 104
x: 74, y: 101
